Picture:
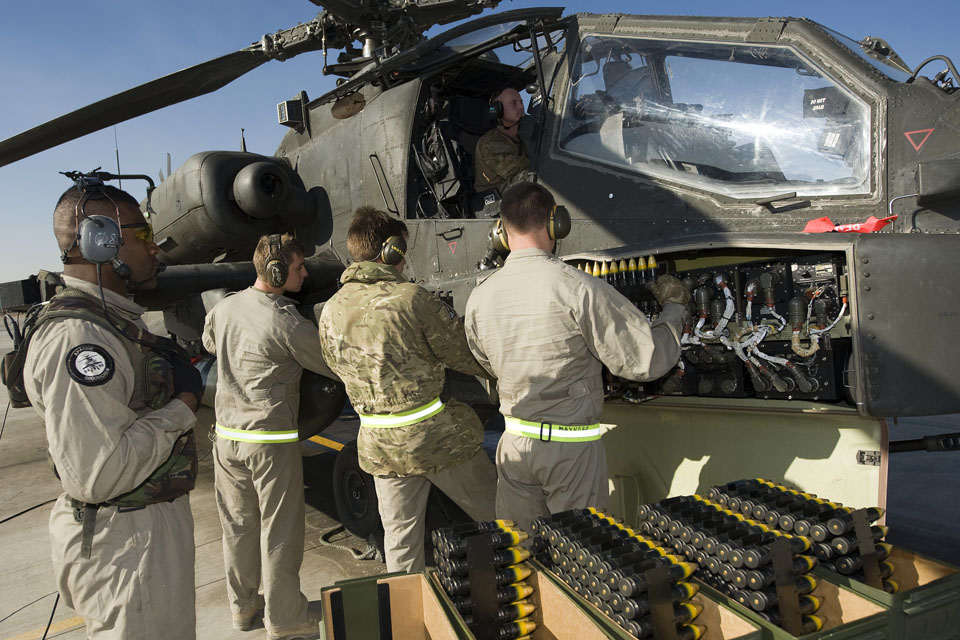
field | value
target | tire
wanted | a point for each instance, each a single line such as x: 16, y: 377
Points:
x: 354, y: 494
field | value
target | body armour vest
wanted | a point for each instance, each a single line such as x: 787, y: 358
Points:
x: 153, y: 388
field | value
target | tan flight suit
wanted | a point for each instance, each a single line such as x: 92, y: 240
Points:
x: 501, y: 161
x: 545, y: 329
x: 139, y: 579
x: 262, y: 345
x: 390, y: 341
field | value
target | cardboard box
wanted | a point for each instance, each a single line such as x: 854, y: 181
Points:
x: 928, y: 603
x: 845, y: 615
x: 355, y: 609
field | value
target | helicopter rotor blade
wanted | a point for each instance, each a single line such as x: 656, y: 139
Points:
x: 171, y: 89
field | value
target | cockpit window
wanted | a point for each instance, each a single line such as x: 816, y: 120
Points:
x: 741, y: 121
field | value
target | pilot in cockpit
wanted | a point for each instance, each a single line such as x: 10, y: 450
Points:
x: 502, y: 159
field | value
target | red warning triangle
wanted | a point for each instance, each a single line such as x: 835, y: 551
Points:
x: 453, y: 246
x: 912, y: 136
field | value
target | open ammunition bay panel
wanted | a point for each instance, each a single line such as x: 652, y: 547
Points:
x: 860, y: 322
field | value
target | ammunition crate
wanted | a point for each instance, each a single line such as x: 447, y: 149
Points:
x: 846, y: 615
x: 387, y: 606
x: 928, y: 602
x: 721, y: 622
x: 557, y: 615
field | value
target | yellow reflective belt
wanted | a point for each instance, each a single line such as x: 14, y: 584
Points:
x: 402, y: 419
x: 549, y: 432
x: 257, y: 436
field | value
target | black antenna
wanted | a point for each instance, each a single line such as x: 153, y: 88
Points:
x: 116, y: 148
x: 243, y: 142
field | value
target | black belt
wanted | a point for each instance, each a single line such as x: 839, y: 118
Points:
x: 85, y: 513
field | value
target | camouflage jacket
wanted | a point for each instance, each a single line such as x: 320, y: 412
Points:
x: 114, y: 433
x: 389, y: 340
x: 501, y: 161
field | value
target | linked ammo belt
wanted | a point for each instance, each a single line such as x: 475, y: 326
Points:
x: 402, y: 419
x: 257, y: 436
x: 550, y: 432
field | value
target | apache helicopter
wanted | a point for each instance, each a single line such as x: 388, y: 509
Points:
x: 805, y: 186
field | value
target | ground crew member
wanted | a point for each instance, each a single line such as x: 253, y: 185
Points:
x: 390, y: 341
x: 262, y: 346
x: 501, y: 158
x: 118, y: 406
x: 545, y: 329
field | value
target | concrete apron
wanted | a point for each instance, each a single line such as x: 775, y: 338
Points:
x: 26, y: 577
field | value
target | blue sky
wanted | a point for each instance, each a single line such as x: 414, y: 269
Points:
x: 59, y: 57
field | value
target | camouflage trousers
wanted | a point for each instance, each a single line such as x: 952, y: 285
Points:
x: 539, y: 478
x: 138, y: 582
x: 403, y: 506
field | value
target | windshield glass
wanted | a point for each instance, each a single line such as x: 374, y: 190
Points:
x: 891, y: 72
x: 741, y: 121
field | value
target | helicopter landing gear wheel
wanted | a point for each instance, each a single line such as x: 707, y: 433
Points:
x: 354, y: 494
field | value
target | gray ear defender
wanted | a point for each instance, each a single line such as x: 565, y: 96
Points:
x: 99, y: 239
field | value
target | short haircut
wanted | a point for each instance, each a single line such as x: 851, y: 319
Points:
x: 290, y: 247
x: 65, y: 220
x: 368, y: 230
x: 526, y: 206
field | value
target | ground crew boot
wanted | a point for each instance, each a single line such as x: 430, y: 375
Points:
x: 304, y: 631
x: 247, y: 617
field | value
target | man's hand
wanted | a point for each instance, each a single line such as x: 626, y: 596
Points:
x: 669, y: 289
x: 186, y: 381
x: 189, y: 399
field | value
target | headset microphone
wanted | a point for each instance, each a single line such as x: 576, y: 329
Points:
x: 121, y: 268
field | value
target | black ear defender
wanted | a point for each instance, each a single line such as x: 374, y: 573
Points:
x: 393, y: 251
x: 559, y: 224
x: 495, y: 107
x: 277, y: 269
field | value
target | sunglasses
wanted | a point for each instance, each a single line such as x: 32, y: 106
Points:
x: 144, y: 232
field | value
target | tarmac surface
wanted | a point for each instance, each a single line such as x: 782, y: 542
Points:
x: 922, y: 511
x: 27, y: 588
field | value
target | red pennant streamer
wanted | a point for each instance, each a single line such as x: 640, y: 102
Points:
x: 825, y: 225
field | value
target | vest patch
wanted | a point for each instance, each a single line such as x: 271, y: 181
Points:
x: 90, y: 365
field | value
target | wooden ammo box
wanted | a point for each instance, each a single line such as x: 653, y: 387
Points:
x: 557, y: 616
x: 846, y: 615
x: 928, y: 602
x: 401, y: 606
x: 721, y: 622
